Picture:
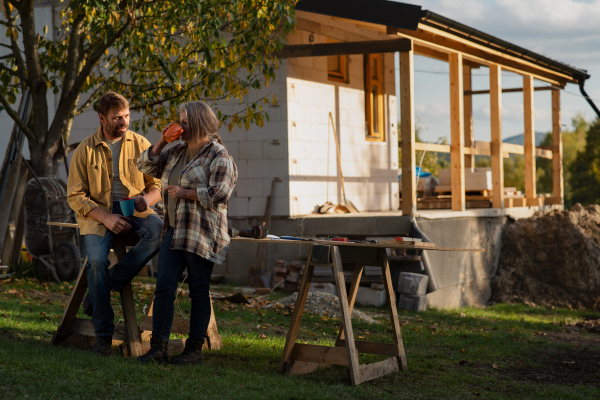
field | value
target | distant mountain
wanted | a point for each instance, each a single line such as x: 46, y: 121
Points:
x: 520, y: 139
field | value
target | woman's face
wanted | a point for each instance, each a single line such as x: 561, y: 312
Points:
x: 184, y: 124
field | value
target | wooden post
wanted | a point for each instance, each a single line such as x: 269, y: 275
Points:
x: 530, y: 193
x: 468, y: 114
x: 457, y: 151
x: 496, y: 144
x: 407, y: 133
x: 557, y: 152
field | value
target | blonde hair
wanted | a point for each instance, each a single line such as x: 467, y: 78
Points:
x: 202, y: 122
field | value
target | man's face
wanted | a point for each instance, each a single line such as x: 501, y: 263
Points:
x: 115, y: 123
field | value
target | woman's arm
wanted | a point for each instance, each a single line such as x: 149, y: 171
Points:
x: 152, y: 162
x: 223, y: 177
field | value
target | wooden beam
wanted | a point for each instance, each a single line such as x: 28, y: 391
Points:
x: 529, y: 137
x: 340, y: 285
x: 496, y: 143
x: 457, y: 160
x: 407, y: 133
x: 320, y: 354
x: 429, y: 52
x: 439, y: 148
x: 557, y: 153
x: 385, y: 349
x: 480, y: 148
x: 297, y: 314
x: 333, y: 32
x: 345, y: 48
x: 391, y: 303
x: 468, y: 115
x: 378, y: 369
x: 511, y: 90
x: 443, y: 41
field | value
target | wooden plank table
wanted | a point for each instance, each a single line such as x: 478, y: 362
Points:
x: 299, y: 358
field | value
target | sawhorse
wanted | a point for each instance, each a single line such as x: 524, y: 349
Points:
x: 301, y: 358
x: 128, y: 332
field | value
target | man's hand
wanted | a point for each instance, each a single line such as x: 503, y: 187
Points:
x: 178, y: 192
x: 116, y: 223
x: 141, y: 204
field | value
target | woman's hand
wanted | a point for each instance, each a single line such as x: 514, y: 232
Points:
x: 162, y: 133
x: 161, y: 143
x: 178, y: 192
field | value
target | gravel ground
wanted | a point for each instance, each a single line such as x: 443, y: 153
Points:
x: 321, y: 303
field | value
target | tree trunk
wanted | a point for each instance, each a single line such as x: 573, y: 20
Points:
x: 45, y: 158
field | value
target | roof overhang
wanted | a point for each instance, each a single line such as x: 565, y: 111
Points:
x: 437, y: 36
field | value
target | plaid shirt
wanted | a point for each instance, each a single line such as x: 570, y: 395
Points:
x: 200, y: 225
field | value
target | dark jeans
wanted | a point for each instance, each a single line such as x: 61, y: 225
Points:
x: 101, y: 280
x: 171, y: 264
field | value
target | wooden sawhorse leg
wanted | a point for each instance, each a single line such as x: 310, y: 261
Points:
x: 128, y: 332
x: 213, y: 341
x: 346, y: 350
x: 69, y: 324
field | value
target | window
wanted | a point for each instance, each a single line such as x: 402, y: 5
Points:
x: 337, y: 67
x: 374, y: 97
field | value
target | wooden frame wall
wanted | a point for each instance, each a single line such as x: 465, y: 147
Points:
x: 529, y: 141
x: 457, y: 139
x: 496, y: 143
x: 407, y: 133
x: 444, y: 45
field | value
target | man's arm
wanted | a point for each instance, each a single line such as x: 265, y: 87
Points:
x: 149, y: 199
x: 78, y: 193
x: 114, y: 222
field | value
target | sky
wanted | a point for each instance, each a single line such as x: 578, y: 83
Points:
x: 563, y: 30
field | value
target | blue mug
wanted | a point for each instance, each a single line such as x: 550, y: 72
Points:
x: 127, y: 206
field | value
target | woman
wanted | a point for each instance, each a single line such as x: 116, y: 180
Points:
x: 197, y: 177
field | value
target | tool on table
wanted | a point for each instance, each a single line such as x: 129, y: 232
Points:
x: 338, y: 239
x: 345, y: 239
x: 406, y: 239
x: 296, y: 238
x: 254, y: 232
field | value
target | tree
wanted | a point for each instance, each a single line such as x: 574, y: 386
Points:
x: 585, y: 169
x: 157, y: 54
x: 573, y: 141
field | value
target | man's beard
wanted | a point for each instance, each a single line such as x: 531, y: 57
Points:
x: 113, y: 130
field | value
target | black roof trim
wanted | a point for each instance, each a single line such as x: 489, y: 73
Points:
x: 492, y: 42
x: 389, y: 13
x: 408, y: 16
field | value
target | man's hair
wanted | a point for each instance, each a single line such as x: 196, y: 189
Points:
x: 110, y: 100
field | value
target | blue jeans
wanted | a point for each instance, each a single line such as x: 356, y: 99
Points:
x: 171, y: 264
x: 101, y: 280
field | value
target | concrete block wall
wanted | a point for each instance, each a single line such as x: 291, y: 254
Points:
x: 369, y: 168
x: 261, y: 155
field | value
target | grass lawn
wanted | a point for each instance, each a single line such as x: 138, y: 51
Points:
x: 498, y: 352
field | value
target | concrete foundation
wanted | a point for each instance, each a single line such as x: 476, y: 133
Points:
x: 463, y: 277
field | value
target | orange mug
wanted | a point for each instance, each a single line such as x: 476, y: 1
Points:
x: 173, y: 132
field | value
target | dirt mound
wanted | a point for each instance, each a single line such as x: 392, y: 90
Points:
x: 551, y: 259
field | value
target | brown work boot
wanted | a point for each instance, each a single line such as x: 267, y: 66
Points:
x: 103, y: 345
x: 157, y: 352
x: 192, y: 353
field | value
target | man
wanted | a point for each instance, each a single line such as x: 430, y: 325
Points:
x: 103, y: 170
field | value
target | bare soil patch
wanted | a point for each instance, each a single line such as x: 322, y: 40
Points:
x: 551, y: 259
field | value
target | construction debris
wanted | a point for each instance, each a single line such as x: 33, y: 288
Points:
x: 330, y: 208
x: 551, y: 259
x: 321, y: 303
